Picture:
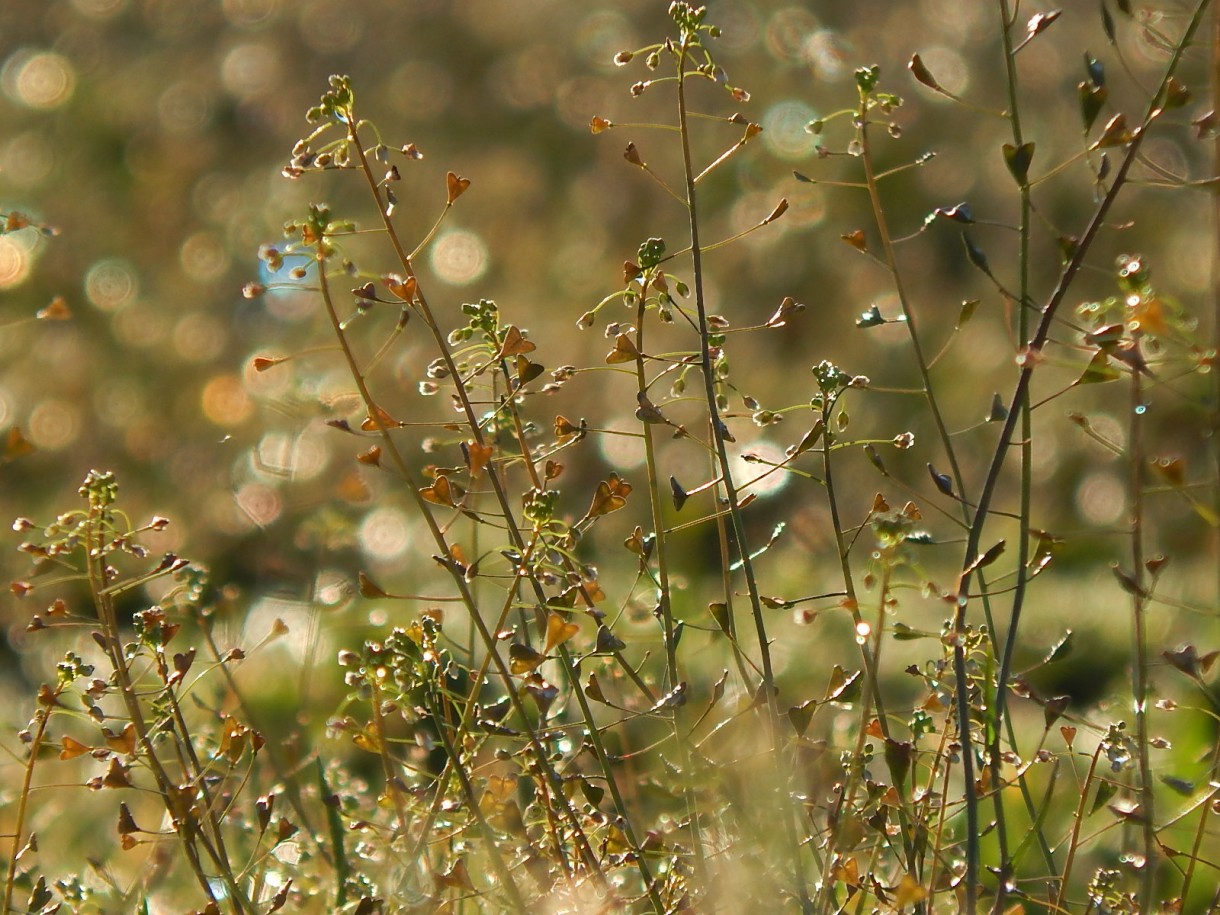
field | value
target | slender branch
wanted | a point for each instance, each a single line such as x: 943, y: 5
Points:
x: 1021, y: 392
x: 1139, y: 684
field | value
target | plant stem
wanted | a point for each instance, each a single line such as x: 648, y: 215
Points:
x: 665, y: 602
x: 1000, y: 702
x: 181, y: 815
x: 718, y: 430
x: 1205, y: 815
x: 1074, y: 842
x: 1214, y: 429
x: 43, y: 717
x: 1135, y: 459
x: 472, y: 801
x: 869, y: 656
x: 959, y: 648
x: 1031, y: 357
x: 489, y: 643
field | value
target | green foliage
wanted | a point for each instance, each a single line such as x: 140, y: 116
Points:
x: 567, y: 687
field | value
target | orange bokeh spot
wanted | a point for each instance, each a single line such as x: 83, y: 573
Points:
x: 225, y: 401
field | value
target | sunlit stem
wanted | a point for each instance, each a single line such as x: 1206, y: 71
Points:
x: 571, y: 666
x: 385, y: 347
x: 23, y: 800
x: 645, y: 126
x: 873, y: 687
x: 728, y: 241
x: 1215, y: 281
x: 1136, y: 460
x: 1074, y: 841
x: 388, y: 765
x: 1047, y: 320
x: 438, y: 536
x: 431, y: 232
x: 847, y: 791
x: 1204, y: 818
x: 741, y: 543
x: 723, y: 157
x: 654, y: 489
x: 1062, y: 166
x: 921, y: 361
x: 1000, y: 702
x: 472, y: 802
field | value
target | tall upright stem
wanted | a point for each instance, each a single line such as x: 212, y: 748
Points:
x: 1000, y: 703
x: 718, y: 432
x: 1033, y: 351
x: 1135, y: 460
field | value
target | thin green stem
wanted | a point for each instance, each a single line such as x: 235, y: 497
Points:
x: 1214, y: 418
x: 185, y: 823
x: 503, y: 873
x: 661, y: 549
x: 1021, y: 392
x: 43, y: 717
x: 718, y: 428
x: 456, y: 574
x: 654, y: 501
x: 1205, y: 815
x: 1136, y: 459
x: 924, y: 367
x: 1073, y: 844
x: 870, y: 664
x: 392, y: 788
x: 1000, y: 702
x: 718, y: 431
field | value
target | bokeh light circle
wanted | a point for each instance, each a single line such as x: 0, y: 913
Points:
x: 99, y: 9
x: 828, y: 55
x: 184, y: 107
x: 225, y: 401
x: 424, y: 89
x: 459, y: 257
x: 330, y: 27
x: 384, y: 534
x: 247, y: 13
x: 199, y: 337
x: 755, y: 473
x: 15, y: 260
x: 786, y: 32
x: 784, y: 130
x: 1101, y: 498
x: 623, y: 450
x: 54, y: 424
x: 38, y: 79
x: 950, y: 70
x: 27, y: 159
x: 203, y: 257
x: 250, y: 70
x: 261, y: 503
x: 110, y: 284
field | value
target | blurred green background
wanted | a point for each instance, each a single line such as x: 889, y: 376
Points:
x: 151, y: 134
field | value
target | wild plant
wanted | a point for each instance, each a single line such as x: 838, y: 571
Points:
x: 611, y: 676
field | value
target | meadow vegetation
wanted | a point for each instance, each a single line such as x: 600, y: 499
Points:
x: 703, y: 592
